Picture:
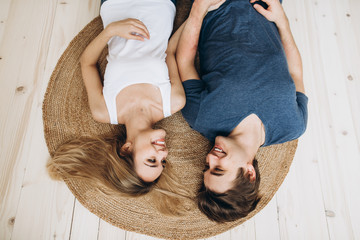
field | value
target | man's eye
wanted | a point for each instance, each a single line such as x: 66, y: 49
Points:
x: 206, y: 168
x: 218, y: 170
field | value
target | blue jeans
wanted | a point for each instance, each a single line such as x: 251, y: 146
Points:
x: 102, y: 1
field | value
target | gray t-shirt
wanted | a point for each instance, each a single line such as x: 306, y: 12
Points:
x: 243, y: 71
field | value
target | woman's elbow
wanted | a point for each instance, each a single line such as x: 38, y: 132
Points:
x: 82, y: 59
x: 100, y: 115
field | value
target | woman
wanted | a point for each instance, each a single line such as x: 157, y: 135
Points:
x: 141, y: 87
x: 250, y: 94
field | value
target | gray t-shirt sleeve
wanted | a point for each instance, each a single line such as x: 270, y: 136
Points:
x: 193, y: 90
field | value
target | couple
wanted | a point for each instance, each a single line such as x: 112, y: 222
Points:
x: 250, y: 94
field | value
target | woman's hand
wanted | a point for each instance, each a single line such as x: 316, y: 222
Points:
x: 274, y: 13
x: 129, y: 28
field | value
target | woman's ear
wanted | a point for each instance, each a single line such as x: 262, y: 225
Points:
x: 126, y: 149
x: 250, y: 171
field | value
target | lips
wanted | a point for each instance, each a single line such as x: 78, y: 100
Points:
x: 159, y: 142
x: 218, y: 151
x: 217, y: 148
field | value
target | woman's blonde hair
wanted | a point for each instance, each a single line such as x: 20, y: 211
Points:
x: 98, y: 160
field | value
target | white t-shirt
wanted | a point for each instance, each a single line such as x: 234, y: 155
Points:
x: 132, y: 61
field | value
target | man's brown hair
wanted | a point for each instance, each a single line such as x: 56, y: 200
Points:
x: 233, y: 204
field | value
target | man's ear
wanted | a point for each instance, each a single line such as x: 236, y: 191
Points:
x: 250, y: 171
x: 126, y: 149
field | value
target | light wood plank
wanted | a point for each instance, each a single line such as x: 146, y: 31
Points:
x: 300, y: 202
x: 85, y: 225
x: 55, y: 218
x: 27, y: 31
x: 110, y: 232
x: 73, y: 16
x: 138, y: 236
x: 244, y: 231
x: 347, y: 26
x: 225, y: 235
x: 343, y: 165
x: 267, y: 222
x: 4, y: 12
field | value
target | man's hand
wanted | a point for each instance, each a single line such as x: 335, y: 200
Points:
x: 215, y: 4
x: 129, y: 28
x: 274, y: 13
x: 204, y: 6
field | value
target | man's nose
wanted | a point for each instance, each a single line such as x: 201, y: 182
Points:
x: 213, y: 160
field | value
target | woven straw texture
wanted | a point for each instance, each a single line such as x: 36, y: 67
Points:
x: 66, y: 115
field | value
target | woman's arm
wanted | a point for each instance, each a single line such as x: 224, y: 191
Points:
x: 275, y: 13
x: 129, y: 29
x: 188, y: 43
x: 177, y: 90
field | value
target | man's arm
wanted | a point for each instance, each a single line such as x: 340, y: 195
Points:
x: 189, y: 39
x: 177, y: 90
x: 275, y: 13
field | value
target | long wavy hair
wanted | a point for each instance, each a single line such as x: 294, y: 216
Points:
x: 98, y: 160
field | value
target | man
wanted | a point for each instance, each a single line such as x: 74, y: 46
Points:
x: 250, y: 94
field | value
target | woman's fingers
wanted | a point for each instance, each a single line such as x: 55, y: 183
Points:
x: 134, y: 36
x: 136, y: 31
x: 141, y: 25
x: 131, y: 29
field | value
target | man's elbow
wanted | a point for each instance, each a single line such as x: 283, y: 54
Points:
x: 178, y: 102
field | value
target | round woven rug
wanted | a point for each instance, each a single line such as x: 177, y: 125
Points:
x: 66, y: 115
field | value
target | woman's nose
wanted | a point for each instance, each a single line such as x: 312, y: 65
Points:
x: 162, y: 153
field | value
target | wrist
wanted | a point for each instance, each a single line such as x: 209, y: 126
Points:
x: 283, y: 24
x: 108, y: 31
x: 198, y: 10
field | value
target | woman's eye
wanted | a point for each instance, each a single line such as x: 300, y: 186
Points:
x: 151, y: 160
x: 218, y: 169
x: 163, y: 162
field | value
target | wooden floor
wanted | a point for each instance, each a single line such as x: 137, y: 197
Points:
x: 319, y: 199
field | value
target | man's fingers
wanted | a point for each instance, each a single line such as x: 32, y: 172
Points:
x: 268, y: 2
x: 261, y: 10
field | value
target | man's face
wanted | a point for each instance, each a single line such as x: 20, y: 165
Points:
x: 222, y: 164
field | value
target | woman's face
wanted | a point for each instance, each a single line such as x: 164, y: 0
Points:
x: 149, y: 154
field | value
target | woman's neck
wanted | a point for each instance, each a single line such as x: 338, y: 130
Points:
x: 136, y: 120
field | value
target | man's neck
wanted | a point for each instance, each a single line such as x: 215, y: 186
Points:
x: 249, y: 134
